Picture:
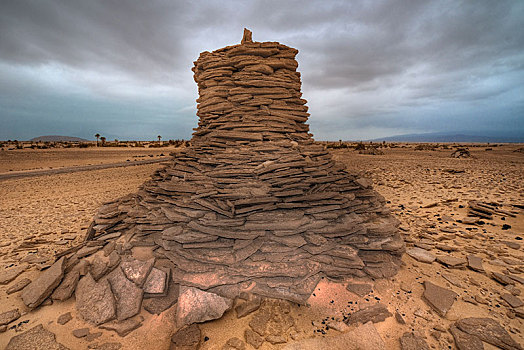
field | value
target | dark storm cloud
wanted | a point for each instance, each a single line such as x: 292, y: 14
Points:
x: 374, y: 67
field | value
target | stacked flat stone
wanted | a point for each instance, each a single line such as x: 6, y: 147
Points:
x: 253, y: 204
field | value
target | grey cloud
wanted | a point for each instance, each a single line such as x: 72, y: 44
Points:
x: 360, y: 60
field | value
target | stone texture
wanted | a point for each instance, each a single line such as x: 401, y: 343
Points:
x: 18, y: 285
x: 122, y: 328
x: 253, y: 338
x: 234, y: 344
x: 11, y: 273
x: 360, y: 289
x: 410, y: 341
x: 64, y: 318
x: 128, y: 297
x: 421, y: 255
x: 160, y: 304
x: 375, y: 313
x: 512, y: 300
x: 81, y: 332
x: 245, y: 308
x: 9, y: 316
x: 36, y: 338
x: 489, y: 331
x: 95, y: 302
x: 465, y: 341
x: 66, y: 289
x: 156, y: 282
x: 137, y: 270
x: 195, y: 306
x: 187, y: 338
x: 42, y: 287
x: 475, y: 263
x: 364, y: 337
x: 440, y: 299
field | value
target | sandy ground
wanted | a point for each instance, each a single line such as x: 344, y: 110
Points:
x: 43, y: 215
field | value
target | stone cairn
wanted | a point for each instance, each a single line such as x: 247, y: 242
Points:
x: 254, y: 204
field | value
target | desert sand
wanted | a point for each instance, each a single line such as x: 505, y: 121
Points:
x: 427, y: 190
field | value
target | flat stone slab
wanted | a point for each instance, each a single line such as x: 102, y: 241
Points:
x: 440, y: 299
x: 465, y: 341
x: 375, y: 313
x: 489, y: 331
x: 137, y: 270
x: 360, y: 289
x: 42, y: 287
x: 364, y: 337
x: 37, y: 338
x: 421, y: 255
x: 475, y: 263
x: 18, y: 286
x: 410, y: 341
x: 94, y: 300
x: 66, y: 289
x: 128, y: 296
x: 158, y: 305
x: 9, y: 316
x: 512, y: 300
x: 64, y: 318
x: 187, y: 338
x: 156, y: 282
x: 195, y: 306
x: 451, y: 261
x: 10, y: 274
x: 122, y: 328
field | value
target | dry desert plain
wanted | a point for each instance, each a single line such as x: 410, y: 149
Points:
x: 428, y: 191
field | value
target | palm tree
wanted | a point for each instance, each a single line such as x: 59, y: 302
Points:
x: 103, y: 139
x: 97, y: 135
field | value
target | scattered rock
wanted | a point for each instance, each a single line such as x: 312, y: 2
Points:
x: 9, y: 316
x: 364, y: 337
x: 92, y: 336
x: 195, y: 305
x: 95, y: 302
x: 122, y: 328
x: 234, y: 344
x: 259, y: 322
x: 253, y: 338
x: 399, y: 318
x: 375, y: 313
x: 360, y: 289
x: 18, y: 286
x: 275, y: 339
x: 451, y: 261
x: 37, y: 338
x: 421, y: 255
x: 187, y: 338
x: 42, y: 287
x: 410, y: 341
x: 440, y: 299
x: 489, y: 331
x: 81, y: 332
x: 64, y: 318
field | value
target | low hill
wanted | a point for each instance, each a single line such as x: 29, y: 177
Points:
x: 57, y: 138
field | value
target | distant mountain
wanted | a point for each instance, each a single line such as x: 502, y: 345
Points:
x: 57, y: 138
x: 449, y: 137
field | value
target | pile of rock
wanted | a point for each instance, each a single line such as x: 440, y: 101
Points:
x: 254, y: 203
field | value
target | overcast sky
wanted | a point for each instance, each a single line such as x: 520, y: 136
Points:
x: 369, y: 69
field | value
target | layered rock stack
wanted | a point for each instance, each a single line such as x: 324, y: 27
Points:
x: 254, y: 203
